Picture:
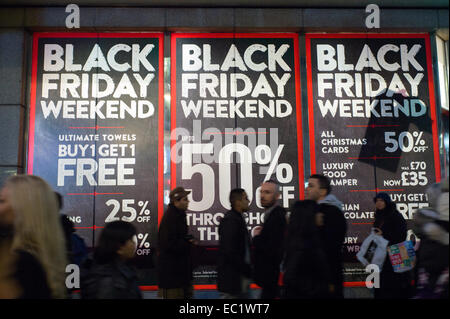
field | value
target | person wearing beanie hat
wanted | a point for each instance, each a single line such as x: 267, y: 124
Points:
x: 174, y: 247
x: 390, y: 224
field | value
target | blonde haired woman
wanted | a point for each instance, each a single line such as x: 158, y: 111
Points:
x: 38, y: 244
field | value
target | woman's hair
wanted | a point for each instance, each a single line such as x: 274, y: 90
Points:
x: 37, y: 227
x: 113, y: 236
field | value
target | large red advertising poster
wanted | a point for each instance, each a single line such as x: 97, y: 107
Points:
x: 372, y: 121
x: 96, y: 128
x: 235, y: 122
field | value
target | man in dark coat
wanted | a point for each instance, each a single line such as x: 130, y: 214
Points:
x: 332, y: 227
x: 174, y: 243
x: 234, y: 263
x: 307, y: 274
x: 269, y: 241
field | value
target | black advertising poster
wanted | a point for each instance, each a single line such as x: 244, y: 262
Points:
x: 235, y: 122
x: 372, y: 118
x: 96, y: 124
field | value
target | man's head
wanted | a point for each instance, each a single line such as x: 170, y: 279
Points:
x: 178, y: 197
x: 318, y: 187
x: 270, y: 193
x: 239, y: 200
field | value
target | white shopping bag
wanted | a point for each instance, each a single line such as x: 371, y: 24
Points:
x: 373, y: 250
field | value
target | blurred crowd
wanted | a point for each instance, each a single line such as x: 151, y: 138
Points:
x: 303, y: 247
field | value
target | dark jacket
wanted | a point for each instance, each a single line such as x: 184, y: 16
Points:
x: 79, y: 250
x: 114, y: 280
x: 174, y: 261
x: 307, y: 274
x: 333, y: 236
x: 269, y: 248
x: 232, y: 265
x: 393, y: 226
x: 431, y: 268
x: 27, y: 270
x: 31, y: 277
